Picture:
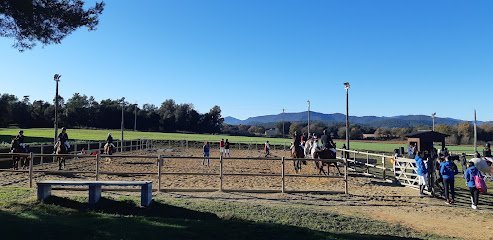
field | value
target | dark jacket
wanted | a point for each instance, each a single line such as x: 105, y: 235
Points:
x: 63, y: 137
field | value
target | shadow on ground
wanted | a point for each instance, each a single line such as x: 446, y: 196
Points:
x: 61, y: 218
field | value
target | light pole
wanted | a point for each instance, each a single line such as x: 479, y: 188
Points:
x: 433, y: 121
x: 283, y: 122
x: 57, y: 79
x: 123, y: 105
x: 135, y: 119
x: 308, y: 118
x: 347, y: 86
x: 475, y: 133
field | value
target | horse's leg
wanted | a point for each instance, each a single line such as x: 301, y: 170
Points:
x: 59, y: 163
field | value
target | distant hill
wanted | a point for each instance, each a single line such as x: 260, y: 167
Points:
x: 371, y: 121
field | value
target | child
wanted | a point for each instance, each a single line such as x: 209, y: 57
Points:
x: 267, y: 148
x: 206, y: 148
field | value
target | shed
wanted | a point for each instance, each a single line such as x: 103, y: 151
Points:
x: 424, y: 139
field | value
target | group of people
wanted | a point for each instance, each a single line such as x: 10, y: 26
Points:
x: 442, y: 166
x: 224, y: 151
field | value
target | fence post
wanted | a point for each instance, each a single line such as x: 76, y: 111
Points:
x: 42, y: 151
x: 384, y: 169
x: 99, y: 149
x: 367, y: 162
x: 186, y: 143
x: 346, y: 191
x: 282, y: 175
x: 31, y: 159
x: 75, y: 147
x: 88, y: 146
x: 221, y: 173
x: 159, y: 169
x: 97, y: 167
x: 131, y: 142
x: 354, y: 158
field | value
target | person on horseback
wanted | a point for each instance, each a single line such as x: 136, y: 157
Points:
x: 109, y: 143
x: 327, y: 141
x: 20, y: 139
x: 487, y: 150
x: 63, y: 138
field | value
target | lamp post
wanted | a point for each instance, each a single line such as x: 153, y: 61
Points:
x: 308, y: 118
x: 135, y: 119
x: 57, y: 79
x: 123, y: 105
x: 433, y: 121
x: 475, y: 133
x: 347, y: 86
x: 283, y: 122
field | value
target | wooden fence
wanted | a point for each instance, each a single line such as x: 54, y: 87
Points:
x: 160, y: 161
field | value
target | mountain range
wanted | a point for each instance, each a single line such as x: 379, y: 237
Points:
x: 335, y: 118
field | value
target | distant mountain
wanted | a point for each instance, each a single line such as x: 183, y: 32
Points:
x: 371, y: 121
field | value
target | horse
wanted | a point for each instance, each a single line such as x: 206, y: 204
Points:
x: 485, y: 166
x: 61, y: 149
x: 321, y: 153
x: 108, y: 149
x: 298, y: 154
x: 17, y: 148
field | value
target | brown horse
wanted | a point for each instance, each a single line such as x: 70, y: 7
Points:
x: 298, y: 154
x: 15, y: 147
x: 61, y: 149
x: 325, y: 154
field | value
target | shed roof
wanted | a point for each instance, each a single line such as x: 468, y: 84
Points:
x: 428, y: 135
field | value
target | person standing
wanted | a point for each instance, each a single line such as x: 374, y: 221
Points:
x: 267, y: 148
x: 206, y: 148
x: 221, y: 147
x: 471, y: 173
x: 463, y: 162
x: 226, y: 148
x: 422, y: 173
x: 448, y: 169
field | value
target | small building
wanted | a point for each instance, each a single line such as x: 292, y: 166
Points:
x: 272, y: 132
x: 424, y: 140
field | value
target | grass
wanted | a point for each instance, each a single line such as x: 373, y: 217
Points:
x: 179, y: 218
x: 46, y: 135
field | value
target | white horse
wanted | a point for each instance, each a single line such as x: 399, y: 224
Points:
x: 483, y: 166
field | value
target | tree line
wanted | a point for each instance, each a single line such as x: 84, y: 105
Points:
x: 81, y: 111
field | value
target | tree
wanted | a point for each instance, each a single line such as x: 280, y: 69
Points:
x: 46, y: 21
x: 464, y: 132
x: 286, y: 127
x: 295, y: 127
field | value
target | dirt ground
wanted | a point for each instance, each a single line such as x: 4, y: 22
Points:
x: 369, y: 197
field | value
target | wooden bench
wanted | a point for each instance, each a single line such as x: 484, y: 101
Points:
x: 44, y: 189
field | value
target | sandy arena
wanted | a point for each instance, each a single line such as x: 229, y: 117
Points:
x: 369, y: 197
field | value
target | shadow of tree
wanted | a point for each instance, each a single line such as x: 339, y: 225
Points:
x: 61, y: 218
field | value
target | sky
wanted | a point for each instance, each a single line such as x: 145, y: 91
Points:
x: 256, y: 57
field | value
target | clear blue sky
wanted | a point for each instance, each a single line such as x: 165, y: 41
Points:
x: 255, y: 57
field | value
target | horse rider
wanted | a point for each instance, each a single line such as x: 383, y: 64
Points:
x: 327, y: 141
x: 109, y: 142
x: 487, y: 150
x: 63, y: 138
x: 20, y: 139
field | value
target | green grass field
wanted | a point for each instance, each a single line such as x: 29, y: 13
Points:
x: 180, y: 218
x: 47, y: 134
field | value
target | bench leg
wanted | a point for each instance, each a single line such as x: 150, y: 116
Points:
x: 44, y: 191
x: 146, y: 195
x: 94, y: 194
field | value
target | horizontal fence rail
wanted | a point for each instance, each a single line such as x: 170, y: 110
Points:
x: 160, y: 161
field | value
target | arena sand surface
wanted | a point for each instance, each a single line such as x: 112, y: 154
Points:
x: 369, y: 197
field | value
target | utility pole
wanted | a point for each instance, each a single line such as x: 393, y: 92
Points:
x: 283, y: 122
x: 308, y: 118
x: 433, y: 120
x: 135, y: 120
x: 122, y: 126
x: 57, y: 79
x: 475, y: 133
